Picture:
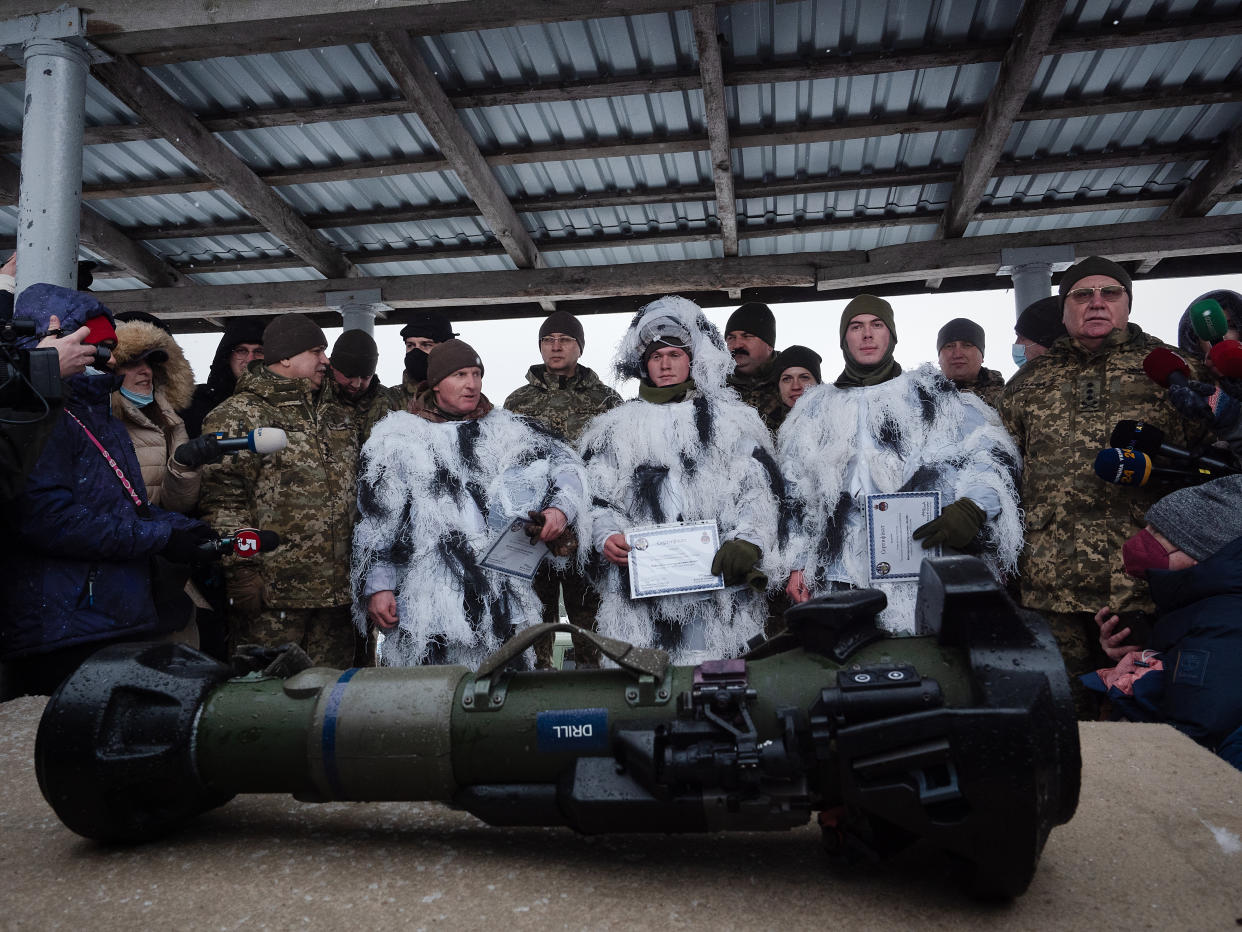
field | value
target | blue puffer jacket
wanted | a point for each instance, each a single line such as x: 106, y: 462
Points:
x: 1199, y: 636
x: 77, y: 566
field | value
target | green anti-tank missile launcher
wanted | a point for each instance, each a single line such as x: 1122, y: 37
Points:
x: 963, y: 739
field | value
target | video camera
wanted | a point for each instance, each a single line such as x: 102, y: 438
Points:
x: 29, y: 378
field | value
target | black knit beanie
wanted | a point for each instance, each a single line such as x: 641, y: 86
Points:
x: 1095, y: 265
x: 963, y: 329
x: 447, y: 357
x: 290, y: 334
x: 1041, y: 321
x: 754, y: 318
x: 566, y: 323
x: 802, y: 356
x: 431, y: 324
x: 355, y: 354
x: 1200, y: 519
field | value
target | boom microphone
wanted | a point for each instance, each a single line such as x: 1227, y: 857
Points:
x: 245, y: 542
x: 1165, y: 367
x: 259, y: 440
x: 1208, y: 319
x: 1135, y: 468
x: 1149, y: 439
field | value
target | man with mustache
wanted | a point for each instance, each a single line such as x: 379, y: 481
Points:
x: 750, y: 336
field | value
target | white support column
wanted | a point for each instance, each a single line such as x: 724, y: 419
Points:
x: 358, y: 309
x: 57, y: 61
x: 1031, y: 270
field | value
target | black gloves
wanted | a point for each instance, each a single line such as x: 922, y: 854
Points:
x: 198, y: 452
x: 736, y: 559
x: 186, y: 545
x: 957, y: 525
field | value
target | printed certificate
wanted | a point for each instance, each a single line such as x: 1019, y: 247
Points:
x: 513, y: 554
x: 667, y: 559
x: 891, y: 520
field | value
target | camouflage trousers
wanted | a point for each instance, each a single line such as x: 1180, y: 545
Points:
x: 581, y: 605
x: 326, y: 634
x: 1078, y: 637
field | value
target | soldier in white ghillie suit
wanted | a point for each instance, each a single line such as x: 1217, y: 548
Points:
x: 437, y: 484
x: 687, y: 449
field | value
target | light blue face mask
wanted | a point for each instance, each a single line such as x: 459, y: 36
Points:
x: 1019, y: 354
x: 139, y: 400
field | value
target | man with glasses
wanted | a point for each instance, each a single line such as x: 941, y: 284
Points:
x: 564, y: 396
x: 241, y: 345
x: 1061, y: 409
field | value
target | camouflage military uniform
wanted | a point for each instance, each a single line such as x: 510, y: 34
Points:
x: 989, y: 386
x: 762, y: 392
x: 305, y: 493
x: 399, y: 395
x: 1061, y: 409
x: 367, y: 411
x: 566, y: 404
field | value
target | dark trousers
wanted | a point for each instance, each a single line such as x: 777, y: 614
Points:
x: 581, y: 605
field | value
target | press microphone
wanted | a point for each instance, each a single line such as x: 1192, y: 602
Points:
x: 1226, y: 357
x: 1135, y: 468
x: 1165, y: 367
x: 245, y: 542
x: 1149, y: 439
x: 259, y: 440
x: 1208, y: 319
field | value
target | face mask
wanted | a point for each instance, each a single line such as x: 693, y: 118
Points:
x: 1019, y: 354
x: 139, y: 400
x: 1143, y: 552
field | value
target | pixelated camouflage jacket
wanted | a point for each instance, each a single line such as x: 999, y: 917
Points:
x: 989, y: 385
x: 762, y: 392
x: 1061, y: 409
x: 367, y: 411
x: 305, y: 492
x: 399, y: 395
x: 566, y: 404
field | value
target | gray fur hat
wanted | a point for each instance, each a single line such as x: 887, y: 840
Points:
x: 1202, y: 518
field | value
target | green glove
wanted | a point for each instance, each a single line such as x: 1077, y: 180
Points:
x: 736, y: 559
x: 957, y: 525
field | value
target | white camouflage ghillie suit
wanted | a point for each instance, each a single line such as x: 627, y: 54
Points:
x: 912, y: 433
x: 433, y: 497
x: 700, y: 456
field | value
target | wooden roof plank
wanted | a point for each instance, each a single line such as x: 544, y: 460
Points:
x: 1034, y: 29
x: 137, y: 90
x: 717, y: 119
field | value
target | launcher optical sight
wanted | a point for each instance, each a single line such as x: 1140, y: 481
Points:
x: 963, y: 739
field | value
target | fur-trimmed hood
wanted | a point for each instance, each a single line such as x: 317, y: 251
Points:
x: 174, y: 379
x: 710, y: 362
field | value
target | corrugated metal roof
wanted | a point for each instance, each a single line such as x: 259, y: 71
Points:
x: 652, y: 45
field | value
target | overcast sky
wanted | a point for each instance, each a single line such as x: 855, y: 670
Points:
x: 509, y: 347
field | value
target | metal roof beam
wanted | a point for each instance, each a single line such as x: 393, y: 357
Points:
x: 213, y: 158
x: 1033, y: 31
x: 716, y: 116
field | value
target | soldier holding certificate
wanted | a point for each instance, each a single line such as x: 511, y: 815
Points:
x: 686, y: 452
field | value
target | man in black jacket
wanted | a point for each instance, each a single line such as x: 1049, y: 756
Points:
x: 241, y: 345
